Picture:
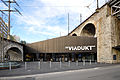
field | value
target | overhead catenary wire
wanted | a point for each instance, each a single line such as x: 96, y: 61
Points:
x: 54, y: 6
x: 16, y: 3
x: 4, y: 3
x: 8, y: 3
x: 3, y: 12
x: 88, y: 6
x: 50, y: 6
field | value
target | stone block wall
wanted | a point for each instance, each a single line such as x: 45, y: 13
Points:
x: 8, y: 46
x: 115, y: 27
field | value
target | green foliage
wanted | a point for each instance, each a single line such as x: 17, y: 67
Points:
x: 12, y: 38
x: 23, y: 42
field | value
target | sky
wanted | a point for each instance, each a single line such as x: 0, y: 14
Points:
x: 46, y: 19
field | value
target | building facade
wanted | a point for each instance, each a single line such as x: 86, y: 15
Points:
x: 3, y: 28
x: 102, y: 26
x: 64, y: 48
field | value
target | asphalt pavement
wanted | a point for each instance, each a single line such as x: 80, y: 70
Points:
x: 36, y: 68
x: 104, y: 73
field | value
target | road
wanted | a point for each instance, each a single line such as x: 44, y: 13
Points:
x: 98, y: 73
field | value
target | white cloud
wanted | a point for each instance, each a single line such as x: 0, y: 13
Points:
x: 46, y: 20
x: 66, y: 2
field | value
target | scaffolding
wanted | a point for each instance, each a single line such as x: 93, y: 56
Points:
x: 115, y: 8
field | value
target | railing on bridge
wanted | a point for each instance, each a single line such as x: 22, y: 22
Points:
x: 115, y: 8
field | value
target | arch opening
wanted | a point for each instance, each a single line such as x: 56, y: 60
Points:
x: 74, y: 34
x: 89, y: 30
x: 13, y: 54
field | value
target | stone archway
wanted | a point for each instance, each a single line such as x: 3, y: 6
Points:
x: 74, y: 34
x: 88, y: 30
x: 13, y: 53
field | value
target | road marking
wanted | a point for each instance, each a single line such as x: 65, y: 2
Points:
x: 28, y: 70
x: 62, y: 72
x: 54, y: 73
x: 47, y: 74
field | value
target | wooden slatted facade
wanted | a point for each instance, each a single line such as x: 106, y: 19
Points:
x: 58, y: 45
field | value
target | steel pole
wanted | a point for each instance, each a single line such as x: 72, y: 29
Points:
x: 68, y: 23
x: 9, y: 21
x: 97, y: 4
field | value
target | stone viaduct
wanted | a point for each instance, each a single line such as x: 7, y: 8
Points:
x: 106, y: 27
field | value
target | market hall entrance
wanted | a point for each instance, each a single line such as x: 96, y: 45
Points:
x: 64, y: 57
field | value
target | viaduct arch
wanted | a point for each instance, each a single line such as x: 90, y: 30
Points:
x: 12, y: 51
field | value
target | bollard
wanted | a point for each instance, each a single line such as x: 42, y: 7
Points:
x: 83, y: 62
x: 50, y: 64
x: 39, y: 65
x: 33, y: 59
x: 60, y: 64
x: 69, y: 64
x: 90, y: 61
x: 77, y: 63
x: 95, y: 62
x: 10, y: 66
x: 25, y: 65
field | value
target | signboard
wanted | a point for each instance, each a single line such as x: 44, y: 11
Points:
x: 80, y: 48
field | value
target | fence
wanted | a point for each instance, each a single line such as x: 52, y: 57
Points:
x: 56, y: 65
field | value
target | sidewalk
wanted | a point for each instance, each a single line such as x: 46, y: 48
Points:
x: 48, y: 67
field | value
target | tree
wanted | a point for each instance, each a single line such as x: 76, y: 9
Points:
x: 23, y: 42
x: 12, y: 38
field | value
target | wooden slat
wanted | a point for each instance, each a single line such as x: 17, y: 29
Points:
x: 57, y: 45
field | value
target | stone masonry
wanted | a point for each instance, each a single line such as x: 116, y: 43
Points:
x: 107, y: 33
x: 13, y: 49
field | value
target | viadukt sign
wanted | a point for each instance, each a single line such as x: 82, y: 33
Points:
x: 78, y: 48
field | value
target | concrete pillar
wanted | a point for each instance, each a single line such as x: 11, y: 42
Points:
x: 37, y: 56
x: 45, y: 56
